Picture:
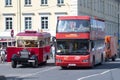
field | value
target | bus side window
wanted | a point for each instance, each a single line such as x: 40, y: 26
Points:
x: 41, y: 43
x: 47, y: 41
x: 36, y: 44
x: 33, y: 44
x: 20, y: 43
x: 27, y: 43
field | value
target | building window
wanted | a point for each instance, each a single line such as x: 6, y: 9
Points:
x: 28, y: 22
x: 27, y: 2
x: 59, y: 2
x: 95, y: 5
x: 8, y: 2
x: 8, y: 23
x: 85, y: 3
x: 44, y: 22
x: 44, y: 2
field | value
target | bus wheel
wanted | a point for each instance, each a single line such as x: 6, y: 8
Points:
x: 93, y: 62
x: 101, y: 62
x: 45, y: 62
x: 14, y: 64
x: 113, y: 58
x: 63, y: 67
x: 35, y: 64
x: 106, y: 59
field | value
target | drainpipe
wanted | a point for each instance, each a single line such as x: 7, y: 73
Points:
x: 20, y: 15
x: 118, y: 29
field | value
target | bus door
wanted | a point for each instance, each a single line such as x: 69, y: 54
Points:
x: 91, y: 49
x: 97, y: 50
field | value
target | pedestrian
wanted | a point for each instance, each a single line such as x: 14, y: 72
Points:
x: 2, y: 54
x: 70, y: 47
x: 53, y: 51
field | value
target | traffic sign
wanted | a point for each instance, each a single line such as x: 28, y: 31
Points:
x: 12, y: 33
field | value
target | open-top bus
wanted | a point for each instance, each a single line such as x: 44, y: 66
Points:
x: 79, y: 41
x: 31, y: 48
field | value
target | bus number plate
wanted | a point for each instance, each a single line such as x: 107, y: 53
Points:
x: 31, y: 60
x: 71, y: 64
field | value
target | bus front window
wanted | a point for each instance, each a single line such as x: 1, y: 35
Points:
x: 20, y: 43
x: 27, y: 43
x: 72, y: 47
x: 73, y: 26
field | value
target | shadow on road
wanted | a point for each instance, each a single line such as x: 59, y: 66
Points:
x: 17, y: 78
x: 13, y: 78
x: 109, y: 65
x: 40, y: 66
x: 49, y: 63
x: 106, y: 65
x: 2, y: 77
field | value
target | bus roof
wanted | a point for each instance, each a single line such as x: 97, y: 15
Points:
x: 34, y: 33
x: 73, y: 17
x: 79, y: 17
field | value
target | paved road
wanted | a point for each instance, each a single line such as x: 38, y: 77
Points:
x: 108, y: 71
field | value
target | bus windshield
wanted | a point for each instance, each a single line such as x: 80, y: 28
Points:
x: 73, y: 47
x: 73, y: 25
x: 27, y: 43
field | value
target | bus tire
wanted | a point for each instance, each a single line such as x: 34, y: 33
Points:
x: 93, y: 62
x: 106, y: 59
x: 102, y: 59
x: 113, y: 58
x: 14, y: 64
x: 35, y: 64
x: 63, y: 67
x: 45, y: 62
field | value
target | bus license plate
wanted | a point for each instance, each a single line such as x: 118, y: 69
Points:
x: 31, y: 60
x: 71, y: 64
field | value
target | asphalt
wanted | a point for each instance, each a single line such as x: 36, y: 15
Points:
x: 51, y: 60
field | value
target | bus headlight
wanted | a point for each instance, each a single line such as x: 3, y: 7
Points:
x: 18, y: 52
x: 58, y: 60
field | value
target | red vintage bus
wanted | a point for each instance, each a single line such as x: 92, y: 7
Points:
x: 31, y: 47
x: 79, y: 41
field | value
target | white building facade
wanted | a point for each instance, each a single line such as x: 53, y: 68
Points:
x: 41, y: 15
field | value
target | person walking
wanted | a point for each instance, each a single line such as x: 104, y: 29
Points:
x: 2, y: 56
x: 53, y: 51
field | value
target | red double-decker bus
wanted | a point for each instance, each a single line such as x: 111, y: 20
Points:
x: 31, y: 47
x: 79, y: 41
